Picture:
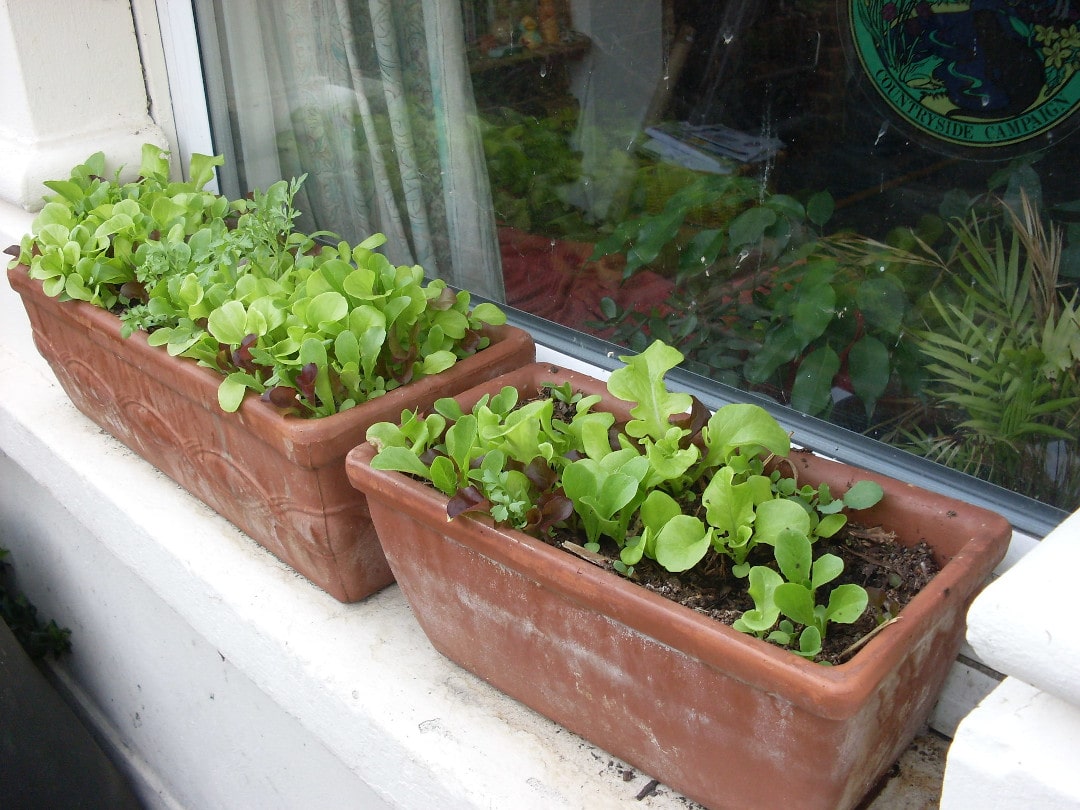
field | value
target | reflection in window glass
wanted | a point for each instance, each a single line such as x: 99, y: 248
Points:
x: 862, y: 209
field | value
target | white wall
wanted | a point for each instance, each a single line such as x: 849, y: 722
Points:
x: 1018, y: 747
x: 73, y: 85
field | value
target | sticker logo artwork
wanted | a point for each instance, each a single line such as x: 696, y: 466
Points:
x: 985, y: 73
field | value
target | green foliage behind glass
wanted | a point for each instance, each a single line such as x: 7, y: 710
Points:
x: 954, y: 339
x: 1002, y: 351
x: 531, y: 168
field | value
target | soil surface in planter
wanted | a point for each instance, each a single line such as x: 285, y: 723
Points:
x: 891, y: 573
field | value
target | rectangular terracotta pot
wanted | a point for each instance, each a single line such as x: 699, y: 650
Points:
x: 726, y: 719
x: 280, y: 479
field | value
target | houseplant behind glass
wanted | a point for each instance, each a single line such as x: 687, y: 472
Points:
x: 725, y: 717
x: 334, y: 332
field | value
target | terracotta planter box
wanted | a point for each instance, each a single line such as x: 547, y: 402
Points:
x: 281, y: 480
x: 726, y: 719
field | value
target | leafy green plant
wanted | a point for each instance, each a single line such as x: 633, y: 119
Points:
x: 770, y: 304
x: 792, y: 592
x: 38, y: 638
x: 531, y: 166
x: 736, y: 225
x: 764, y: 301
x: 836, y: 318
x: 85, y: 237
x: 1002, y: 349
x: 672, y: 484
x: 313, y: 328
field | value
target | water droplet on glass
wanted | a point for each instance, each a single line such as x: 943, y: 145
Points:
x: 881, y: 132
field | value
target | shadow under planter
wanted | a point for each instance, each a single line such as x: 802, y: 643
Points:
x: 280, y: 479
x: 47, y: 756
x: 725, y: 718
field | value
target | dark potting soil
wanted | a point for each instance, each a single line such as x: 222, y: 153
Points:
x: 891, y: 572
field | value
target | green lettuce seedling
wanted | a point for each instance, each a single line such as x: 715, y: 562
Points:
x: 605, y: 493
x: 313, y: 329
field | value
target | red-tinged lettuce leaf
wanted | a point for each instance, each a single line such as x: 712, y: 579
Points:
x: 447, y: 298
x: 469, y: 499
x: 305, y: 381
x: 280, y: 396
x: 540, y: 473
x: 134, y: 291
x: 551, y: 508
x: 241, y: 356
x: 470, y: 344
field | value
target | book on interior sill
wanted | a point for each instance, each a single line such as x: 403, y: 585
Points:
x: 676, y: 152
x: 710, y: 145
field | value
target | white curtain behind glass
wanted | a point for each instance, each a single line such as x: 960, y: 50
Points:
x: 372, y: 100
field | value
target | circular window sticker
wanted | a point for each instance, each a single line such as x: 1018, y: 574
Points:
x: 985, y: 74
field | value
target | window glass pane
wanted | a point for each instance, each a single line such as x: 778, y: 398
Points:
x: 865, y: 210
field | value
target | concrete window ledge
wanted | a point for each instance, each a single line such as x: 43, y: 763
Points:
x: 1018, y: 748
